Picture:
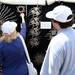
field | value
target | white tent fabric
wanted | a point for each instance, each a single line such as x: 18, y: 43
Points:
x: 71, y: 1
x: 24, y: 2
x: 33, y: 2
x: 50, y: 1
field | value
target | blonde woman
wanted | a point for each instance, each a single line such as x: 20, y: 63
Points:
x: 12, y: 56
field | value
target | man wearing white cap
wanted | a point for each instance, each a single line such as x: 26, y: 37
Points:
x: 60, y: 55
x: 12, y: 56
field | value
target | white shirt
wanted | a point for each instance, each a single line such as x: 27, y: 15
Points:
x: 60, y: 55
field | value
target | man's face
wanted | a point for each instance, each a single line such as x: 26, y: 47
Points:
x: 55, y: 25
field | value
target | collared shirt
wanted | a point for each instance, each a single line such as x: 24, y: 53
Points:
x: 60, y: 55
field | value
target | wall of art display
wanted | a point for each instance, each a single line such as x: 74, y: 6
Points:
x: 37, y: 39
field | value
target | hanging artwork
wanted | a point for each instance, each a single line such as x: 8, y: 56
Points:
x: 34, y: 23
x: 6, y: 14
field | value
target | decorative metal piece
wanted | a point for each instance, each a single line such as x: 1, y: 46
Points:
x: 35, y: 11
x: 34, y: 42
x: 34, y: 22
x: 21, y: 9
x: 6, y: 14
x: 34, y: 32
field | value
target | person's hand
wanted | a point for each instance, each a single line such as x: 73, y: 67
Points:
x: 22, y: 15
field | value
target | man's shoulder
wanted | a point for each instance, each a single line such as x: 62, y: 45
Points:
x: 59, y: 39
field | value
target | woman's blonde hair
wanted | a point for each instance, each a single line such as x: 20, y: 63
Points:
x: 9, y: 38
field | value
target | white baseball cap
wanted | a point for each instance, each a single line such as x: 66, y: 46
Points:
x: 60, y: 14
x: 8, y: 27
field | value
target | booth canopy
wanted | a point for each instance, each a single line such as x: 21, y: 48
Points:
x: 33, y: 2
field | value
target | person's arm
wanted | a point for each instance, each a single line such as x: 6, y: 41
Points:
x: 53, y: 60
x: 23, y: 26
x: 56, y: 56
